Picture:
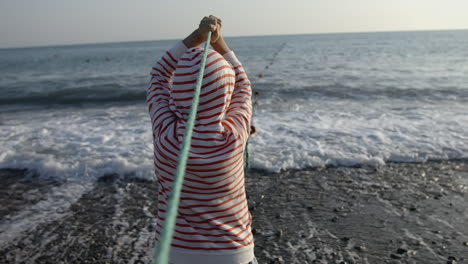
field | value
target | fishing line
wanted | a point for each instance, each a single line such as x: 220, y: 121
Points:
x: 255, y: 98
x: 272, y: 61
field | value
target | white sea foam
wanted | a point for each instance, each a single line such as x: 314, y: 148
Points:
x: 347, y: 133
x: 88, y: 143
x: 85, y: 143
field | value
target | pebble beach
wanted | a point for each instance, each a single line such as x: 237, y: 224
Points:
x: 398, y: 213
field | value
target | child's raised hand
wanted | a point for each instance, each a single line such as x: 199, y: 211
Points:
x: 212, y: 24
x: 198, y: 36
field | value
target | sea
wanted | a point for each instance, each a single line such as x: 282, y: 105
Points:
x: 355, y: 99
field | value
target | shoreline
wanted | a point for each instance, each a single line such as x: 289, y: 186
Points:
x: 117, y: 42
x: 397, y: 213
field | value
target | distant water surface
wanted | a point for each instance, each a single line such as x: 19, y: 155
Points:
x: 332, y: 99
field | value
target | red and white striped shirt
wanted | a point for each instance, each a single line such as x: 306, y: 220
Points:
x: 213, y: 222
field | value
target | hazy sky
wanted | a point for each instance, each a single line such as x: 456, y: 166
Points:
x: 52, y: 22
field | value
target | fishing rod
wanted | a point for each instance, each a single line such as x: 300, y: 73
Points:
x: 162, y: 249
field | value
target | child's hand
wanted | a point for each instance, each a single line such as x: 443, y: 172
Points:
x: 198, y: 36
x: 212, y: 24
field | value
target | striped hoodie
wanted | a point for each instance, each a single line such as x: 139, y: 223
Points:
x: 213, y: 221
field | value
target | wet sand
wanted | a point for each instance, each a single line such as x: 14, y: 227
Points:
x: 399, y: 213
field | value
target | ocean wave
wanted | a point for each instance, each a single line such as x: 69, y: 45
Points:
x: 115, y: 92
x: 79, y: 95
x: 341, y: 91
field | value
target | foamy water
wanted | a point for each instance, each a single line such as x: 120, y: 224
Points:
x: 350, y: 99
x: 84, y: 143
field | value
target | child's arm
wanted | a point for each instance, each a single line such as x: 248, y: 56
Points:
x: 158, y: 92
x: 239, y: 111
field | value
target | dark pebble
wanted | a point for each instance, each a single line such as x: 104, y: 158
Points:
x: 345, y: 239
x: 279, y: 233
x: 360, y: 248
x: 278, y: 260
x: 401, y: 251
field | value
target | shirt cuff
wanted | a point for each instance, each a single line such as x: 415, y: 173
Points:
x: 231, y: 58
x: 178, y: 50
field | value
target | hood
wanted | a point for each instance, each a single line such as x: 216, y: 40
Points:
x: 216, y: 90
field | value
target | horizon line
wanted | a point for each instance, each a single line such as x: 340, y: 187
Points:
x: 239, y: 36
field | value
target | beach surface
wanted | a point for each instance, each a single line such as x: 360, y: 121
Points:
x: 397, y: 213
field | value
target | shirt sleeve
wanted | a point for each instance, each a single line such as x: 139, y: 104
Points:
x: 239, y: 111
x: 158, y: 92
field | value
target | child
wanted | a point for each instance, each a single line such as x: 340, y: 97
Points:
x: 213, y: 222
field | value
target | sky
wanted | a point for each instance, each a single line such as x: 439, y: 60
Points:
x: 60, y: 22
